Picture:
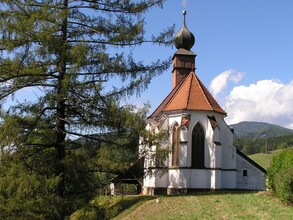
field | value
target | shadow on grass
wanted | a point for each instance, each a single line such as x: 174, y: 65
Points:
x: 128, y: 201
x: 108, y: 207
x: 117, y: 204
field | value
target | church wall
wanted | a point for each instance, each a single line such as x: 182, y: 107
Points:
x: 175, y: 118
x: 200, y: 179
x: 217, y: 149
x: 248, y: 176
x: 183, y: 148
x: 212, y: 155
x: 228, y: 158
x: 148, y: 185
x: 175, y: 177
x: 220, y: 156
x: 155, y: 181
x: 149, y: 179
x: 213, y: 152
x: 201, y: 117
x: 189, y: 178
x: 162, y: 180
x: 216, y: 179
x: 228, y: 179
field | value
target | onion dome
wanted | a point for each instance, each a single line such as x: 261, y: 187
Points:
x: 184, y: 38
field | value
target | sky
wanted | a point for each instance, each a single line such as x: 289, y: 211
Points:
x: 244, y: 55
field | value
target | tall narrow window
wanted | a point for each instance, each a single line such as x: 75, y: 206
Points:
x: 197, y: 151
x: 175, y: 144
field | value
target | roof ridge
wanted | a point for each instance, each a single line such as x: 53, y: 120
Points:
x: 175, y: 91
x: 207, y: 93
x: 188, y: 94
x: 180, y: 85
x: 201, y: 89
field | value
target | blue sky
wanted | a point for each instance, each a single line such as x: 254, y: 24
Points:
x: 244, y: 55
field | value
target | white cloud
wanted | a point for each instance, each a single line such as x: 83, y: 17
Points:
x: 268, y: 100
x: 220, y: 82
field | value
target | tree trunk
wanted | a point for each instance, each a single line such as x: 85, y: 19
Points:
x: 61, y: 108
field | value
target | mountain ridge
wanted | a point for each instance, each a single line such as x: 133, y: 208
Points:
x: 258, y: 130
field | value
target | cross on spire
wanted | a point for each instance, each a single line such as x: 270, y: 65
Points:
x: 184, y: 3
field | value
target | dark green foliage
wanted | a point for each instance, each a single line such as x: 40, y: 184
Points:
x: 280, y: 175
x: 252, y: 146
x: 64, y: 142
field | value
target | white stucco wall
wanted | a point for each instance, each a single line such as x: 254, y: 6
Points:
x: 255, y: 179
x: 223, y: 165
x: 200, y: 179
x: 162, y: 180
x: 149, y: 181
x: 214, y: 157
x: 174, y: 177
x: 228, y: 179
x: 183, y: 156
x: 190, y: 178
x: 218, y: 159
x: 201, y: 117
x: 228, y: 156
x: 216, y: 179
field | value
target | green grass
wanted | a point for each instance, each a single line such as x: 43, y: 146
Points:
x: 107, y: 207
x: 264, y: 159
x: 210, y: 205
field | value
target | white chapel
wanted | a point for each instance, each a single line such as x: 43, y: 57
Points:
x: 202, y: 154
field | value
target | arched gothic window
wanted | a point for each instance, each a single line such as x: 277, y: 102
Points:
x: 175, y: 144
x: 198, y: 142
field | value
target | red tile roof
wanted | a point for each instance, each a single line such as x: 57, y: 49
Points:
x: 190, y: 94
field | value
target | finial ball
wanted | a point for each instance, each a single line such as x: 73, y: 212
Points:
x: 184, y: 38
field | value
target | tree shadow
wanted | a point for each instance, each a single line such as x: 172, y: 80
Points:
x: 126, y: 202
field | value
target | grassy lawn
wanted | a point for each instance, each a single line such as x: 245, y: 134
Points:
x: 264, y: 159
x: 210, y: 205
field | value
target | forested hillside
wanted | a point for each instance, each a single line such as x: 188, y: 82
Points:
x: 259, y: 137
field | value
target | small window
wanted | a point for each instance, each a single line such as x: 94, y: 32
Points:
x: 244, y: 173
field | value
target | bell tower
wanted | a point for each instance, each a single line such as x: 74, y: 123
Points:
x: 184, y: 59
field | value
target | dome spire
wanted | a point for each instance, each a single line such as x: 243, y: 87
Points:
x: 184, y: 17
x: 184, y: 38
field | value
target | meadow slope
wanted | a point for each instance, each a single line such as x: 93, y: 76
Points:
x: 211, y: 205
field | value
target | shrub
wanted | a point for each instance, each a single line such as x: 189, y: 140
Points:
x: 280, y: 175
x: 284, y: 184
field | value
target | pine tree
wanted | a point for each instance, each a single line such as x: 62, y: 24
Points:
x: 66, y: 51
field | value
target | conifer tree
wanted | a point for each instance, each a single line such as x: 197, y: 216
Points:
x: 67, y: 51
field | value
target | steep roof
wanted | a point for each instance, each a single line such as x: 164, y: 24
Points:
x: 190, y: 94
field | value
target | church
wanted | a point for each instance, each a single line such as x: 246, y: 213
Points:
x: 202, y: 155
